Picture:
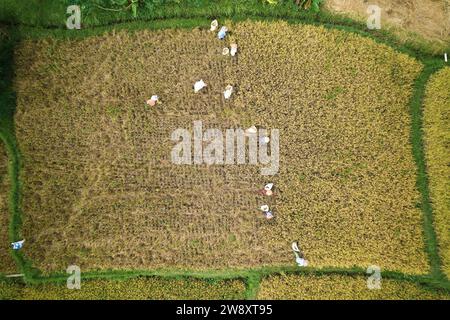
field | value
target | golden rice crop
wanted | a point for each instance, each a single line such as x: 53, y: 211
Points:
x: 437, y: 147
x: 347, y: 178
x: 7, y: 264
x: 100, y: 191
x: 132, y: 289
x: 9, y: 290
x: 340, y: 287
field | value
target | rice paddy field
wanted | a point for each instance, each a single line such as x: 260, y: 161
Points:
x: 437, y: 141
x: 337, y: 287
x: 88, y: 179
x: 133, y: 289
x: 111, y: 198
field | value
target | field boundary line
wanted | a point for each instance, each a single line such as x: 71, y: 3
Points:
x: 251, y: 277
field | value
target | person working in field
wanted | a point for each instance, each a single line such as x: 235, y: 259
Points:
x: 267, y: 191
x: 267, y: 213
x: 299, y: 257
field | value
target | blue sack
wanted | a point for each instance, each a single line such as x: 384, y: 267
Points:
x: 17, y: 245
x: 222, y: 33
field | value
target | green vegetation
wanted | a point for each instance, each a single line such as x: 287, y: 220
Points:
x: 313, y: 5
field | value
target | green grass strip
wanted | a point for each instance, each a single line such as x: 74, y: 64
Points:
x: 251, y: 277
x: 252, y: 285
x: 252, y: 274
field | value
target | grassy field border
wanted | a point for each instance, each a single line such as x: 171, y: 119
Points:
x: 250, y: 277
x: 435, y: 280
x: 52, y: 14
x: 416, y: 110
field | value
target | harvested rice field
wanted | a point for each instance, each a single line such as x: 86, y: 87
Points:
x: 99, y: 189
x: 339, y: 287
x: 131, y: 289
x: 437, y: 145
